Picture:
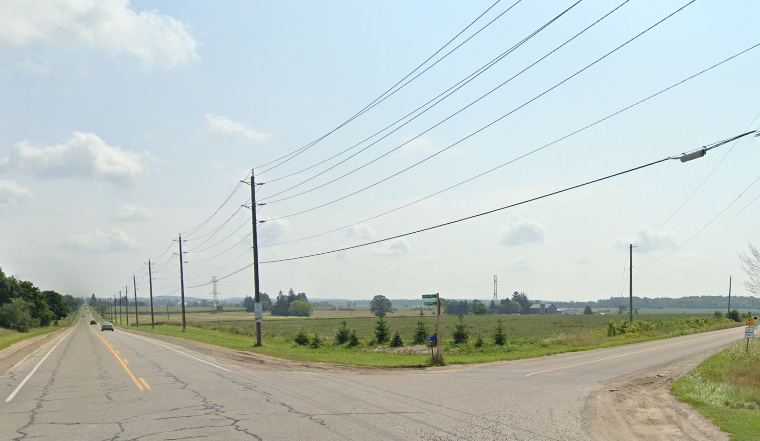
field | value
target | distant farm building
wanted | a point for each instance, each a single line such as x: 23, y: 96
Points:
x: 543, y: 309
x: 568, y: 311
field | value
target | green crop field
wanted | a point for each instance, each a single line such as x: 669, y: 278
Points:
x: 527, y: 336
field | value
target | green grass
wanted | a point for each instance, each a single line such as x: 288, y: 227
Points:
x: 8, y: 337
x: 527, y: 336
x: 726, y: 389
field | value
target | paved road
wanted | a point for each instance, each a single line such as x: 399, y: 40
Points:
x: 97, y: 385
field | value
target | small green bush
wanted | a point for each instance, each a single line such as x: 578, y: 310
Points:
x: 734, y: 315
x: 420, y: 332
x: 612, y: 329
x: 461, y: 333
x: 479, y: 341
x: 315, y: 342
x: 396, y: 341
x: 499, y: 336
x: 353, y: 340
x: 301, y: 338
x: 343, y: 333
x: 382, y: 331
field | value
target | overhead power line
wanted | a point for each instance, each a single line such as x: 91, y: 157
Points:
x: 156, y: 259
x: 707, y: 224
x: 195, y: 229
x: 398, y: 236
x: 447, y: 93
x: 564, y: 190
x: 453, y: 89
x: 750, y: 203
x: 487, y: 125
x: 246, y: 222
x: 706, y: 177
x: 377, y: 100
x: 599, y: 121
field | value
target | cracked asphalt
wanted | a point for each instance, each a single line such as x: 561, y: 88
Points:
x: 143, y: 389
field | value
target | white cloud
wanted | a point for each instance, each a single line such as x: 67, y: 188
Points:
x: 102, y: 241
x: 649, y: 240
x: 131, y: 213
x: 395, y: 247
x: 522, y: 232
x: 362, y: 231
x: 226, y: 127
x: 12, y: 194
x: 110, y: 26
x: 85, y: 155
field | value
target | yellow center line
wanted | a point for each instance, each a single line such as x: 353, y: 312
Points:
x: 616, y: 356
x: 145, y: 383
x: 137, y: 383
x: 126, y: 361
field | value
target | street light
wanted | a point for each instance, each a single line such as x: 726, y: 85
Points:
x: 693, y: 155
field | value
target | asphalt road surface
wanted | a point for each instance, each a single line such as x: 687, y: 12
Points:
x: 99, y: 385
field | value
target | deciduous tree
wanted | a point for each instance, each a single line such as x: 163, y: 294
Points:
x: 380, y: 306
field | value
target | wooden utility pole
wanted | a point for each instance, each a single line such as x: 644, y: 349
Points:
x: 182, y: 283
x: 126, y: 302
x: 254, y: 224
x: 134, y: 284
x: 150, y: 280
x: 729, y: 296
x: 438, y: 325
x: 630, y: 285
x: 119, y: 307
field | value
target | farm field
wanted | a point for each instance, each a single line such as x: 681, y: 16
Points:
x: 202, y: 314
x: 526, y: 336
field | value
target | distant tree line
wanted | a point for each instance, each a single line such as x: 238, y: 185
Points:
x: 24, y: 306
x: 518, y: 304
x: 290, y: 304
x: 266, y: 302
x: 692, y: 302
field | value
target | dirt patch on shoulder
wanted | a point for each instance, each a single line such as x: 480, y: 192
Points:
x: 641, y: 407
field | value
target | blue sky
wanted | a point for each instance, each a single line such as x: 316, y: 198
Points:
x: 125, y: 123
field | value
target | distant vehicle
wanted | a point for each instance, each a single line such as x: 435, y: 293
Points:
x: 93, y: 322
x: 82, y: 315
x: 106, y: 325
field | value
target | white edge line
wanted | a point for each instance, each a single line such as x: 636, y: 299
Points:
x: 177, y: 350
x: 23, y: 382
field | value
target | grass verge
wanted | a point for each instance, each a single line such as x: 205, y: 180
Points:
x: 726, y: 389
x: 527, y: 337
x: 8, y: 337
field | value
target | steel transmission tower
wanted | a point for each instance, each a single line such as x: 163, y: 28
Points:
x: 495, y: 299
x: 215, y: 293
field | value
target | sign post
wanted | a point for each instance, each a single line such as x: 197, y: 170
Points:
x: 749, y: 333
x: 258, y: 312
x: 437, y: 303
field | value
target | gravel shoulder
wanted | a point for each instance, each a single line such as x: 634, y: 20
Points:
x: 14, y: 354
x: 641, y: 407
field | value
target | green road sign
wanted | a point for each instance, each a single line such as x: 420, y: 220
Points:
x: 431, y: 303
x: 429, y: 296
